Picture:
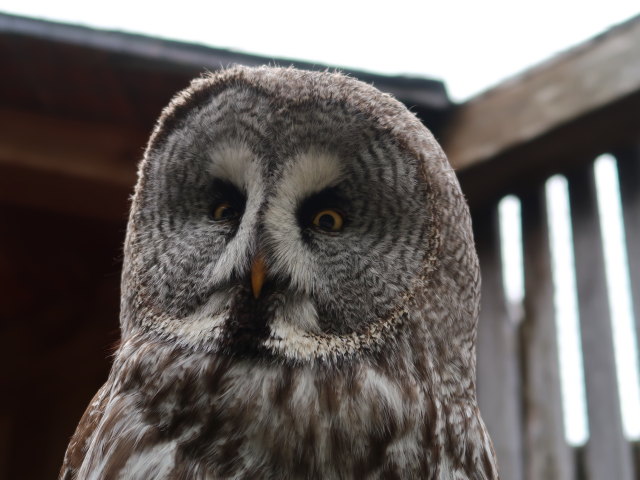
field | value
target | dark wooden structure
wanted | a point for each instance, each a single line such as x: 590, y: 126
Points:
x: 556, y: 118
x: 76, y: 107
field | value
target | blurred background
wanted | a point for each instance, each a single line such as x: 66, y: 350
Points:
x: 536, y: 105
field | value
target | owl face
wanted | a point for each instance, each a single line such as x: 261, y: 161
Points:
x: 312, y: 201
x: 299, y: 294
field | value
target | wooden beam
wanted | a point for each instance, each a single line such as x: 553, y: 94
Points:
x: 546, y: 453
x: 580, y: 81
x: 549, y: 119
x: 607, y: 452
x: 69, y: 166
x: 78, y: 149
x: 497, y: 349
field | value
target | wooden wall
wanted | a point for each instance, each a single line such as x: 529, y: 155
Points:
x: 59, y: 278
x: 555, y: 119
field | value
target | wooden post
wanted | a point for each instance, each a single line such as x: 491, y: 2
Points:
x: 546, y: 453
x: 607, y: 453
x: 497, y: 368
x: 6, y: 424
x: 629, y: 173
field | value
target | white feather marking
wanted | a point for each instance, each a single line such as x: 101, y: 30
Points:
x: 154, y: 462
x: 300, y: 311
x: 283, y: 333
x: 309, y: 173
x: 236, y: 163
x: 203, y: 325
x: 387, y: 389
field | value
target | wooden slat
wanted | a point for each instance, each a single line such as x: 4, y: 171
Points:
x: 629, y: 173
x: 80, y: 149
x: 502, y: 141
x: 497, y: 367
x: 63, y: 194
x: 635, y: 447
x: 6, y: 424
x: 547, y: 455
x: 582, y: 80
x: 79, y: 168
x: 60, y: 279
x: 607, y: 453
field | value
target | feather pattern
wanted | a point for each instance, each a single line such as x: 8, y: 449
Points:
x: 356, y: 359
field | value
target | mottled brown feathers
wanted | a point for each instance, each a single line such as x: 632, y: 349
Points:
x: 357, y: 359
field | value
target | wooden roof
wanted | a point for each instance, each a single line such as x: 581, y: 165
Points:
x: 82, y: 73
x: 77, y: 105
x: 548, y: 118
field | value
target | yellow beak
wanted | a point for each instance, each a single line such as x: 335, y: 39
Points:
x: 258, y: 273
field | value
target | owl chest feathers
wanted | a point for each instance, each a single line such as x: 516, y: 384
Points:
x: 216, y: 417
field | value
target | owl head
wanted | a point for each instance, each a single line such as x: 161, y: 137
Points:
x: 298, y: 217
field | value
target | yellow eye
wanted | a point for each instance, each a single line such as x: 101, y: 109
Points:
x: 328, y: 220
x: 224, y: 211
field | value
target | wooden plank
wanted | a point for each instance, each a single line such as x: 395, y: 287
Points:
x: 607, y: 453
x: 547, y: 455
x: 559, y: 150
x: 80, y: 168
x: 60, y: 279
x: 64, y: 194
x: 629, y: 173
x: 79, y: 149
x: 635, y: 447
x: 6, y: 424
x: 189, y: 60
x: 571, y: 85
x: 497, y: 345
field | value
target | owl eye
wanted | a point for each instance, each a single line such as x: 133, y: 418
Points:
x: 224, y: 211
x: 328, y: 220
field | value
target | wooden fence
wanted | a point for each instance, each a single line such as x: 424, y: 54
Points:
x: 554, y: 119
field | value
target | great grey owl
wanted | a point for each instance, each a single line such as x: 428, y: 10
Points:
x: 299, y: 295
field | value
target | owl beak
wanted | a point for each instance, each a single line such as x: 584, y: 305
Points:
x: 258, y: 273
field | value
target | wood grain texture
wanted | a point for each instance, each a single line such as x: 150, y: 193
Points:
x: 79, y: 149
x: 581, y: 80
x: 607, y: 453
x: 66, y: 166
x: 509, y: 138
x: 547, y: 454
x: 497, y: 346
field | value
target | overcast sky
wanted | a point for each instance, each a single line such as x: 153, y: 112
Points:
x: 471, y: 45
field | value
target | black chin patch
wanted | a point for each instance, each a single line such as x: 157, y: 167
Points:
x: 247, y: 325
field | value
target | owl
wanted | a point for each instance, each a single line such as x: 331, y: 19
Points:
x: 300, y: 293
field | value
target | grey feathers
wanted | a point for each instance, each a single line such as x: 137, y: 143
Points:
x: 348, y: 350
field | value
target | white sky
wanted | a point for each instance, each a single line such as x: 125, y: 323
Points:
x: 471, y: 45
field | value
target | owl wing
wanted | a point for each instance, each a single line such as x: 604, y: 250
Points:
x: 81, y: 439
